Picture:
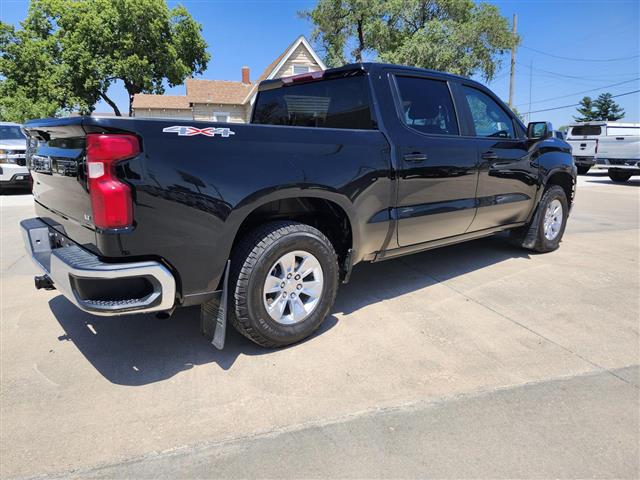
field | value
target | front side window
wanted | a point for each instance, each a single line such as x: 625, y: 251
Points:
x: 336, y: 103
x: 427, y: 105
x: 489, y: 119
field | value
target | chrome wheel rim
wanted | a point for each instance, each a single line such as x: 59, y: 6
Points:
x: 553, y: 219
x: 293, y: 287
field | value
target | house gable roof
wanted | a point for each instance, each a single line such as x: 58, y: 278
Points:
x: 221, y: 91
x: 277, y: 64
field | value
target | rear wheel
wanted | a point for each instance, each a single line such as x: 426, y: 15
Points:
x: 619, y: 176
x: 283, y: 281
x: 546, y: 229
x: 583, y: 169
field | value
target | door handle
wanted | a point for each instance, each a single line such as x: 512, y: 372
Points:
x: 415, y: 157
x: 489, y: 156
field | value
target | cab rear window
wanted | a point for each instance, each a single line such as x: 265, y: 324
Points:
x: 584, y: 130
x: 336, y: 103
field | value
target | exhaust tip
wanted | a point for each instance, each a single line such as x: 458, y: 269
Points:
x: 43, y: 282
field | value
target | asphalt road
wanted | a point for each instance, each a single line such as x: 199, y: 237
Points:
x: 477, y: 360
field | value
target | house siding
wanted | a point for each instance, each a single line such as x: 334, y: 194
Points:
x: 300, y: 56
x: 203, y: 111
x: 163, y: 113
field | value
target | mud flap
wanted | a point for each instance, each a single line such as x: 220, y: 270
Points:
x: 531, y: 235
x: 213, y: 315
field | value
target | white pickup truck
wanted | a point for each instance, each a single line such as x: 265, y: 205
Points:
x: 619, y: 152
x: 586, y: 140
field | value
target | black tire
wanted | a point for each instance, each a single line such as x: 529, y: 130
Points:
x: 619, y: 176
x: 532, y: 236
x: 251, y: 262
x: 583, y: 169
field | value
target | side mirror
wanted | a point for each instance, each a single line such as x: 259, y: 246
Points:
x: 539, y: 130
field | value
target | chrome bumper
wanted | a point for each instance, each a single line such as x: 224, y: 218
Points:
x: 68, y: 266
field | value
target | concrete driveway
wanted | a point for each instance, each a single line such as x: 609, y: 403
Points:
x: 477, y: 360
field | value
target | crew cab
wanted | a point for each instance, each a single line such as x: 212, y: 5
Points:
x: 259, y: 223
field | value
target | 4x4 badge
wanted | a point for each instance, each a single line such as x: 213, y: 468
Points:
x: 186, y: 131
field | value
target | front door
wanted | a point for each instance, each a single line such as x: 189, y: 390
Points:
x: 507, y: 181
x: 438, y: 169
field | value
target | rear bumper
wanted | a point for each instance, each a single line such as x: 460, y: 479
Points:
x: 95, y: 286
x: 618, y: 164
x: 584, y: 161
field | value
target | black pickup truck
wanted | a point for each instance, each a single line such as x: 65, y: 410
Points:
x: 259, y: 223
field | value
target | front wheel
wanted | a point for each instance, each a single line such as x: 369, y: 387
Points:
x: 619, y: 176
x: 583, y: 169
x: 284, y: 278
x: 545, y: 231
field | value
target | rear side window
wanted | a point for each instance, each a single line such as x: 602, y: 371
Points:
x: 427, y: 105
x: 336, y: 103
x: 489, y: 119
x: 584, y: 130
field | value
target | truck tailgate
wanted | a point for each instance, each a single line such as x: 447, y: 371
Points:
x: 56, y: 158
x: 583, y: 148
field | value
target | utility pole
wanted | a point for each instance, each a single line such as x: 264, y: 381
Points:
x: 530, y: 90
x: 512, y: 78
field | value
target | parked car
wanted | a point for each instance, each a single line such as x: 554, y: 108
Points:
x: 619, y: 152
x: 13, y: 170
x: 259, y: 223
x: 585, y: 139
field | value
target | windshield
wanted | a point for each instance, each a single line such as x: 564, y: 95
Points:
x: 11, y: 132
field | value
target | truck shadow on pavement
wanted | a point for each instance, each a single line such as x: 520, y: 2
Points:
x: 142, y: 349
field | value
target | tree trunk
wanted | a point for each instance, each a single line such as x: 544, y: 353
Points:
x: 360, y: 42
x: 131, y: 90
x: 111, y: 103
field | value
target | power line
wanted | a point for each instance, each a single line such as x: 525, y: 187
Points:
x: 584, y: 91
x: 572, y: 77
x: 576, y: 104
x: 580, y: 59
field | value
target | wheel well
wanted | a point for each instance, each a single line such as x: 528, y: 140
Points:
x: 565, y: 181
x: 325, y: 215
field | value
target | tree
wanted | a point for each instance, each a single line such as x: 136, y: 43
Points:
x: 607, y: 109
x: 457, y: 36
x: 87, y: 45
x: 602, y: 108
x: 585, y: 110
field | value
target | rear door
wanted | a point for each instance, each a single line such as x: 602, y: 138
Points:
x: 507, y: 180
x: 438, y: 168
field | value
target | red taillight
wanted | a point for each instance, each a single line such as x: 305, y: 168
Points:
x: 111, y: 202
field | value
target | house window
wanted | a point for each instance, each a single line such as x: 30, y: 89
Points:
x: 298, y: 69
x: 221, y: 117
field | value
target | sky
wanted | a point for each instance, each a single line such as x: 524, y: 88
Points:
x: 569, y: 48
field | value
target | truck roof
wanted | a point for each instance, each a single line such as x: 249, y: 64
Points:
x: 352, y: 68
